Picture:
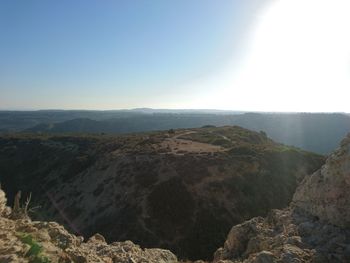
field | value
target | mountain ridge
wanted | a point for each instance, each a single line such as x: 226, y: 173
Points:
x: 319, y: 133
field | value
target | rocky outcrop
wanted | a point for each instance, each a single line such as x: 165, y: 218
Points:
x: 314, y: 228
x: 325, y: 194
x: 286, y: 236
x: 36, y: 241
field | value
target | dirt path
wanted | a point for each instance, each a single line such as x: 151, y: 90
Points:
x: 182, y: 134
x: 182, y: 146
x: 222, y: 136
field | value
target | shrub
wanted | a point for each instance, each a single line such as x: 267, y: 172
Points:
x: 35, y: 250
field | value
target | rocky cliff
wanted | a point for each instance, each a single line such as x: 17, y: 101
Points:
x: 314, y: 228
x: 325, y: 194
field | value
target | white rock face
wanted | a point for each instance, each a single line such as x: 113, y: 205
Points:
x: 314, y: 228
x: 325, y: 193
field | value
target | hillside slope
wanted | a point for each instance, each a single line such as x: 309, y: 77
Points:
x: 180, y: 189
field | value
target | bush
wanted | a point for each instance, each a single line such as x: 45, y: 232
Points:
x: 35, y: 250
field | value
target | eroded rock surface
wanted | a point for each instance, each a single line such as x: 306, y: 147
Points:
x: 36, y: 241
x: 288, y: 236
x: 314, y: 228
x: 326, y: 193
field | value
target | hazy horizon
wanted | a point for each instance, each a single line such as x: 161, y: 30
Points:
x: 260, y: 56
x: 172, y: 109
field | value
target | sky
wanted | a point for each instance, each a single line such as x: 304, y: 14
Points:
x: 255, y: 55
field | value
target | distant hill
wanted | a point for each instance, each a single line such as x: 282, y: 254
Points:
x: 179, y: 189
x: 319, y: 133
x: 14, y: 121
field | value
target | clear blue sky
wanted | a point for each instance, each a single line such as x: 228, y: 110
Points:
x: 114, y: 54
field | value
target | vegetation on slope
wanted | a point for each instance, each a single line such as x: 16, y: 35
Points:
x: 317, y: 132
x: 181, y: 189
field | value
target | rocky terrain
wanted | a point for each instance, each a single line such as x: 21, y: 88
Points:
x: 23, y: 240
x: 181, y: 190
x: 314, y: 228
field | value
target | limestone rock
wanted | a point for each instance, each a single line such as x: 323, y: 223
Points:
x: 314, y: 228
x: 58, y: 245
x: 325, y: 193
x: 238, y: 238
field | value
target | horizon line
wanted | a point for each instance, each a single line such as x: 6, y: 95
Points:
x: 145, y: 109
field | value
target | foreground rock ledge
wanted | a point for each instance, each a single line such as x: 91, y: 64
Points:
x: 60, y: 246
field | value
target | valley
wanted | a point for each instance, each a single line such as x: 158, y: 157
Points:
x: 316, y: 132
x: 178, y: 189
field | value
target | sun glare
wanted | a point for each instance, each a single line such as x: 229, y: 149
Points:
x: 298, y: 60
